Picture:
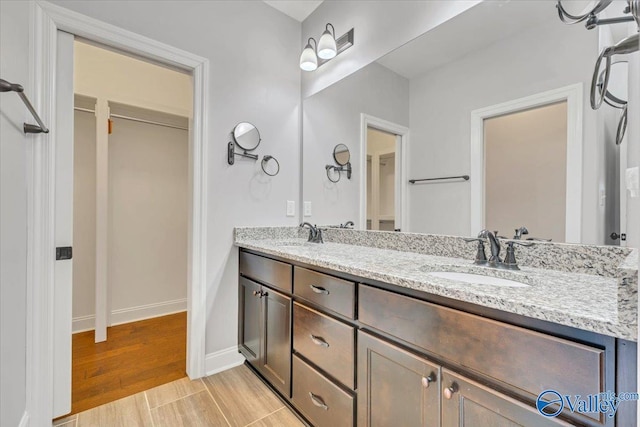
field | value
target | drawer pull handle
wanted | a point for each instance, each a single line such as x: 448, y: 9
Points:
x: 427, y: 380
x: 318, y: 401
x: 319, y: 341
x: 319, y: 289
x: 450, y: 391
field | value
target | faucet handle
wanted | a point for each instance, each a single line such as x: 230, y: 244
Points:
x: 481, y: 257
x: 510, y: 258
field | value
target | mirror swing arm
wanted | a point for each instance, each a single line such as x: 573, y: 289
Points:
x: 344, y: 168
x: 341, y: 156
x: 231, y: 153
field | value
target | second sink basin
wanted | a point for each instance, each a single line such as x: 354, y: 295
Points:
x: 477, y: 279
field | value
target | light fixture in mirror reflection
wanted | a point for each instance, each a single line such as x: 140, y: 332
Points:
x: 490, y: 54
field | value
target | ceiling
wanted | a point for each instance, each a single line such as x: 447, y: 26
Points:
x: 297, y: 9
x: 480, y: 26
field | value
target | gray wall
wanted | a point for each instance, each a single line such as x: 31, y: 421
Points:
x: 537, y: 60
x: 332, y: 117
x: 380, y: 27
x: 14, y: 67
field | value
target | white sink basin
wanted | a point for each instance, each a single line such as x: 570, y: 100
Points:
x: 477, y: 279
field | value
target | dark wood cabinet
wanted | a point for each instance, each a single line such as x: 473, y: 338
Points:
x: 471, y: 404
x: 395, y: 387
x: 265, y: 332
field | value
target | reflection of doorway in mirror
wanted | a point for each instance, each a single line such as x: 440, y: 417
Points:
x: 525, y: 172
x: 381, y: 180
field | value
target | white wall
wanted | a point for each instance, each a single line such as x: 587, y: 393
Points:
x: 14, y: 67
x: 531, y: 62
x: 254, y: 52
x: 380, y: 27
x: 376, y: 91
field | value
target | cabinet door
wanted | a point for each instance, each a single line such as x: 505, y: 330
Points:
x: 275, y: 362
x: 470, y: 404
x: 250, y: 320
x: 395, y: 387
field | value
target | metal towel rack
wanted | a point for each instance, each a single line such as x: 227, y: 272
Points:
x: 5, y: 86
x: 465, y: 177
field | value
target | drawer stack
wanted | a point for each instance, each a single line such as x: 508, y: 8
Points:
x: 324, y: 348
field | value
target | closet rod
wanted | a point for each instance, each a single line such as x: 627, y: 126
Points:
x: 120, y: 116
x: 465, y: 177
x: 5, y: 86
x: 151, y: 122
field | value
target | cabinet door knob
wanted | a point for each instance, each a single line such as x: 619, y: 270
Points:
x: 427, y: 380
x: 319, y: 341
x: 316, y: 400
x: 319, y: 289
x: 450, y: 391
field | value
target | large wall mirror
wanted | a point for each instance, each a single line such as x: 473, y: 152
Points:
x: 489, y: 114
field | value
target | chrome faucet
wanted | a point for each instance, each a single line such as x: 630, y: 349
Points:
x: 315, y: 234
x: 520, y: 232
x: 348, y: 224
x: 494, y: 259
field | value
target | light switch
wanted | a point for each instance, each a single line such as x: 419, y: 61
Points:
x: 291, y: 208
x: 307, y: 208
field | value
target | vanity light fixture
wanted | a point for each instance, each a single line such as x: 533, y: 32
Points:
x: 326, y: 49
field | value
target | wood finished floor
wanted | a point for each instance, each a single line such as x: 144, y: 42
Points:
x: 136, y: 357
x: 233, y: 398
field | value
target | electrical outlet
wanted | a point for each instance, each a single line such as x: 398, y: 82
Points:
x: 307, y: 208
x: 291, y: 208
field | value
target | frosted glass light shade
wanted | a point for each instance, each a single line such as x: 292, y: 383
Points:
x: 308, y: 59
x: 327, y: 48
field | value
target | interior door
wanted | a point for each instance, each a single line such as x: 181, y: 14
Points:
x: 63, y: 226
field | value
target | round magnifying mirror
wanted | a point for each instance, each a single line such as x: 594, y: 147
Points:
x: 574, y: 11
x: 270, y: 165
x: 246, y: 136
x: 341, y: 154
x: 332, y: 173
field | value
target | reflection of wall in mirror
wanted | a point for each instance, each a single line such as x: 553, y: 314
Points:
x: 525, y: 172
x: 334, y: 116
x: 530, y: 62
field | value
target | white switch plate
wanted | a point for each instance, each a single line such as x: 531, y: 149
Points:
x: 307, y: 208
x: 291, y: 207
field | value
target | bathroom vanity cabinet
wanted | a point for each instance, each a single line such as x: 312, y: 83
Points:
x: 347, y: 351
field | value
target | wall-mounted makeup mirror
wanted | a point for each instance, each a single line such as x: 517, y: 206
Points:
x: 341, y: 155
x: 270, y: 165
x: 246, y: 136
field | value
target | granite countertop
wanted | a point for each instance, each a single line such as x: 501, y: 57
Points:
x: 590, y: 302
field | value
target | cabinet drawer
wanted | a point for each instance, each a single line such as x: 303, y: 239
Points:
x: 528, y: 361
x: 327, y: 291
x: 326, y: 342
x: 267, y: 271
x: 322, y: 402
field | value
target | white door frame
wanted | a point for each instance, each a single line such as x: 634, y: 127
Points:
x: 47, y: 19
x: 573, y: 95
x: 402, y: 147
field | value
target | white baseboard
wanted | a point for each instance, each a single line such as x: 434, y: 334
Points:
x: 24, y: 421
x: 222, y: 360
x: 132, y: 314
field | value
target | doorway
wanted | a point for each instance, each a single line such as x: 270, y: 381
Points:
x: 383, y: 176
x: 130, y: 214
x: 49, y: 281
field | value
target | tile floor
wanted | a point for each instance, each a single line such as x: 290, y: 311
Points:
x: 234, y: 398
